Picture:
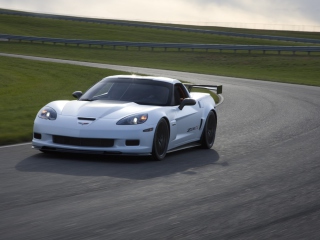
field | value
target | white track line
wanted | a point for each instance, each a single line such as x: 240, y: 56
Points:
x: 15, y: 145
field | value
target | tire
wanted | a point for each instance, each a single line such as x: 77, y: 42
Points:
x: 209, y: 131
x: 160, y: 140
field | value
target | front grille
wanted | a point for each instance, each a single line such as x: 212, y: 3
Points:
x: 87, y: 142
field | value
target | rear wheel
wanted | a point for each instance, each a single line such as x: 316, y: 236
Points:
x: 209, y: 131
x: 160, y: 140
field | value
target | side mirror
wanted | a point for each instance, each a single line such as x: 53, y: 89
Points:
x: 77, y: 94
x: 187, y: 102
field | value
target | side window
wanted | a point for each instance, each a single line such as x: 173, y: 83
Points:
x: 179, y: 93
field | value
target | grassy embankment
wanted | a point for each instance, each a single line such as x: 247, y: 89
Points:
x: 299, y: 69
x: 25, y: 85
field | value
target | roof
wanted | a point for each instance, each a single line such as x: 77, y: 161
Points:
x: 162, y: 79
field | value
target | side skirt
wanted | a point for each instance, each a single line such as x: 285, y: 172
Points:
x: 186, y: 146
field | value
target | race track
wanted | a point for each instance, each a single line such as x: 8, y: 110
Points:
x: 261, y: 179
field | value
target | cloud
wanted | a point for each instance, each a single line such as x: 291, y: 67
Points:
x: 265, y: 11
x: 201, y: 12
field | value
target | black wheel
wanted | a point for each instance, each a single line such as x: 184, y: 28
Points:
x: 209, y: 131
x: 160, y: 140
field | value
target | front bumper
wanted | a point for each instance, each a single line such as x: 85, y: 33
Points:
x: 127, y: 139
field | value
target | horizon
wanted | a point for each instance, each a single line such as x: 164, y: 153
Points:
x: 205, y: 13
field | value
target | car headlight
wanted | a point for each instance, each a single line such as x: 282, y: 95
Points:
x: 47, y: 113
x: 133, y: 119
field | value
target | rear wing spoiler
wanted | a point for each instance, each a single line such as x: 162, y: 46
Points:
x: 216, y: 88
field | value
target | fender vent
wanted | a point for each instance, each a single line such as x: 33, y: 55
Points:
x: 200, y: 123
x: 86, y: 119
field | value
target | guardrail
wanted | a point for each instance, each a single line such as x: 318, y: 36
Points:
x: 165, y: 46
x: 133, y: 24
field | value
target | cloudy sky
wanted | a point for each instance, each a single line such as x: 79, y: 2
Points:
x: 277, y: 14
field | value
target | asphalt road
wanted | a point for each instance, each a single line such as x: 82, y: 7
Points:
x: 261, y: 179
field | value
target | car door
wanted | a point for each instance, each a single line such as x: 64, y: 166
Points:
x: 187, y: 120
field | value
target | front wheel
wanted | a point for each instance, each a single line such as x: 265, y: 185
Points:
x: 160, y: 140
x: 209, y: 131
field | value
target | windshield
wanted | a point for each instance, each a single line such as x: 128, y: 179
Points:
x: 140, y: 91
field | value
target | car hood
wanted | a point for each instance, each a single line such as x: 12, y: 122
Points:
x: 99, y: 109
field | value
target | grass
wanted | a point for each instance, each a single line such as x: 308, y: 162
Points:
x: 298, y: 34
x: 297, y: 69
x: 26, y: 86
x: 283, y: 33
x: 42, y: 27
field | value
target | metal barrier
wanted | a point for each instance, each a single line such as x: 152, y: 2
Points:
x: 165, y: 46
x: 133, y: 24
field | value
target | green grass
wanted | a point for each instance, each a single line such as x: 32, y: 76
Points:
x: 41, y: 27
x: 44, y: 24
x: 26, y: 86
x: 283, y: 33
x: 298, y: 69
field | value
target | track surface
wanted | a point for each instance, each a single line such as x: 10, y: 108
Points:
x: 261, y: 179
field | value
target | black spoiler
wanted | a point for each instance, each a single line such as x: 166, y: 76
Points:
x: 217, y: 88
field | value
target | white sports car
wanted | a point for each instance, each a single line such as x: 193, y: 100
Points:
x: 129, y: 115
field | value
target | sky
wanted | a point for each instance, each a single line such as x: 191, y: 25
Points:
x: 301, y: 15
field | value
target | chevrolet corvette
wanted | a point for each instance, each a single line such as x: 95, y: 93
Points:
x: 129, y: 115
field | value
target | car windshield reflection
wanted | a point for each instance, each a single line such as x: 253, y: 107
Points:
x: 140, y: 91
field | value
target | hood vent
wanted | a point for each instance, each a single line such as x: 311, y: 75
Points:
x: 86, y: 119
